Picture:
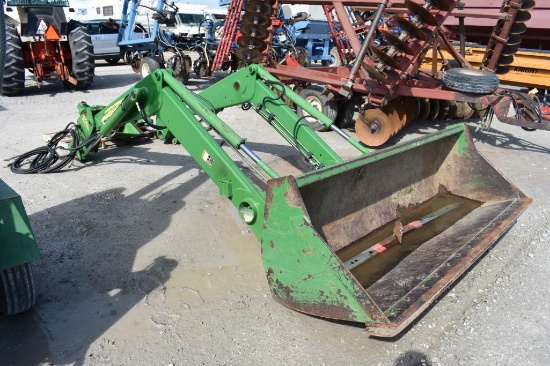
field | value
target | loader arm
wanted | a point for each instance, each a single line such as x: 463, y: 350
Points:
x: 189, y: 117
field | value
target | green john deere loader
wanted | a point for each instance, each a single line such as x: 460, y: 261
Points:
x: 374, y: 239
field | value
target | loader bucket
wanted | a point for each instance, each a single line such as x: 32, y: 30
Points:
x: 317, y: 221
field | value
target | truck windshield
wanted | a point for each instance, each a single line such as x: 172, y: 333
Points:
x: 191, y: 18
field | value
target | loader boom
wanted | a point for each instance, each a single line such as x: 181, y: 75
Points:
x: 310, y: 224
x: 189, y: 117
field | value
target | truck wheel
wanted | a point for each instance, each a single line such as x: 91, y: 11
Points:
x: 313, y: 95
x: 14, y: 69
x: 148, y: 65
x: 470, y: 80
x: 82, y: 51
x: 335, y: 58
x: 17, y: 292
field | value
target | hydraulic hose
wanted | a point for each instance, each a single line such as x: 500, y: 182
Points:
x: 46, y: 159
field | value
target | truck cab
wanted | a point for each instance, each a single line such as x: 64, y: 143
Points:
x: 191, y: 20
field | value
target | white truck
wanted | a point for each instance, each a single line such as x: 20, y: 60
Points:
x: 191, y: 20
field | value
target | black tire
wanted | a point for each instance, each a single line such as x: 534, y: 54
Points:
x: 147, y: 66
x: 17, y: 293
x: 13, y: 81
x: 112, y: 60
x: 470, y: 81
x: 202, y: 71
x: 346, y: 111
x: 2, y: 45
x: 313, y: 95
x: 335, y: 58
x: 82, y: 51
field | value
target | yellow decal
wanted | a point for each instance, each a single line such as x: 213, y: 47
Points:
x: 109, y: 111
x: 85, y: 120
x: 207, y: 158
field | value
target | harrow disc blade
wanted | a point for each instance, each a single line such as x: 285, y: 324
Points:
x: 501, y: 70
x: 444, y: 107
x: 444, y: 5
x: 468, y: 110
x: 421, y: 12
x: 411, y: 29
x: 375, y: 74
x: 261, y: 7
x: 385, y: 58
x: 249, y: 55
x: 510, y: 50
x: 254, y: 31
x: 410, y: 105
x: 505, y: 60
x: 514, y: 39
x: 460, y: 110
x: 251, y: 42
x: 522, y: 16
x: 397, y: 115
x: 257, y: 19
x: 424, y: 107
x: 434, y: 110
x: 518, y: 28
x: 396, y: 42
x: 373, y: 127
x: 528, y: 4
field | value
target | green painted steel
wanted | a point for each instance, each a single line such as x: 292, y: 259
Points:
x: 17, y: 242
x: 458, y: 131
x: 305, y: 222
x: 247, y: 86
x: 180, y: 111
x: 302, y: 272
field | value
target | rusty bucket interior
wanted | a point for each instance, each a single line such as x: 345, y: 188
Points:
x: 345, y: 210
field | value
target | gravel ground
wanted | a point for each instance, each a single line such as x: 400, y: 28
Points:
x: 143, y: 263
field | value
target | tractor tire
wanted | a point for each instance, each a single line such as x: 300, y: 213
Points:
x: 314, y: 95
x: 335, y: 58
x: 13, y: 81
x: 470, y: 81
x: 17, y: 292
x: 148, y: 65
x: 112, y: 60
x: 82, y: 51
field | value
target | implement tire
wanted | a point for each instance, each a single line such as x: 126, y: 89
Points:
x: 313, y: 94
x: 333, y: 53
x: 17, y: 293
x: 13, y: 82
x: 148, y: 65
x: 470, y: 81
x: 82, y: 51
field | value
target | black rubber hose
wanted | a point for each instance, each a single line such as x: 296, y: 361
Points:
x: 45, y: 159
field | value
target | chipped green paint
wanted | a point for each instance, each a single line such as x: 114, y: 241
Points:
x: 320, y: 284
